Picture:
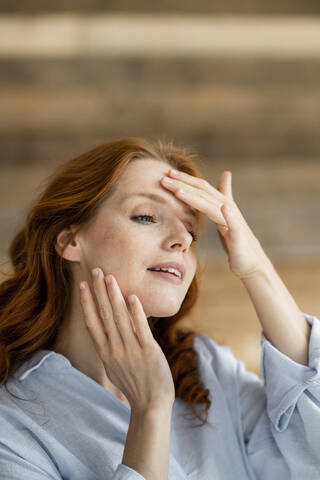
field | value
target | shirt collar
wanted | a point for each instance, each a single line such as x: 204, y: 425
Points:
x: 35, y: 362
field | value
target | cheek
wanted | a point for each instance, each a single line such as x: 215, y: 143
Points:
x: 119, y: 238
x: 101, y: 240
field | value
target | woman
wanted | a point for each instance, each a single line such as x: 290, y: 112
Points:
x: 101, y: 387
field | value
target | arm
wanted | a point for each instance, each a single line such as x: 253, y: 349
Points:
x: 148, y: 443
x: 277, y: 418
x: 280, y: 317
x: 280, y: 414
x: 282, y: 321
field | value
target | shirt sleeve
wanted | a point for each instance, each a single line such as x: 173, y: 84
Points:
x: 124, y: 472
x: 280, y: 414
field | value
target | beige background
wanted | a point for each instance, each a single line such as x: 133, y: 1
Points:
x: 238, y: 85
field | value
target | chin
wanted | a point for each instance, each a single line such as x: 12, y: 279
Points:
x: 160, y: 305
x: 163, y: 311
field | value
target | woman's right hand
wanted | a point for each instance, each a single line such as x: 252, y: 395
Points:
x: 133, y: 360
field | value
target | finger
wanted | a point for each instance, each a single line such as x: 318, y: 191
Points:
x: 225, y: 184
x: 200, y: 183
x: 200, y: 200
x: 121, y: 315
x: 92, y: 320
x: 105, y: 308
x: 222, y: 229
x: 140, y: 321
x: 232, y: 221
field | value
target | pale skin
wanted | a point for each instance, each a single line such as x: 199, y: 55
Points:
x: 282, y: 321
x: 125, y: 248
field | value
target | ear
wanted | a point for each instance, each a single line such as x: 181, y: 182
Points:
x: 72, y: 251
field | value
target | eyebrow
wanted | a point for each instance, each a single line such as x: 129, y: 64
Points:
x: 159, y: 199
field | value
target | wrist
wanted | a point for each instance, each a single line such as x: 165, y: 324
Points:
x: 162, y: 405
x: 152, y: 413
x: 264, y: 270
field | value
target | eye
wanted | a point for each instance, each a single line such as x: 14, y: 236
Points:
x: 194, y: 236
x: 143, y: 216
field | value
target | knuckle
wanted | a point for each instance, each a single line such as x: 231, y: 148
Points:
x: 83, y: 300
x: 230, y: 202
x: 104, y: 312
x: 117, y: 317
x: 204, y: 182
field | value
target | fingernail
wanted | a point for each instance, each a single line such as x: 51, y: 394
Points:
x: 175, y: 173
x: 82, y: 286
x: 108, y: 279
x: 132, y: 299
x: 167, y: 180
x: 95, y: 272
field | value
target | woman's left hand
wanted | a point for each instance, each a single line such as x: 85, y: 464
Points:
x: 245, y: 254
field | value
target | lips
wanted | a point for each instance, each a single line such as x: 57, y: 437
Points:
x: 176, y: 265
x: 171, y: 277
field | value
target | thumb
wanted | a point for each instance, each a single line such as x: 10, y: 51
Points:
x: 232, y: 222
x: 225, y: 184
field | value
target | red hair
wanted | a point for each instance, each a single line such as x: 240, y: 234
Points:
x: 34, y: 298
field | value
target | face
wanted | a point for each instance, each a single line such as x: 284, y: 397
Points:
x: 126, y: 247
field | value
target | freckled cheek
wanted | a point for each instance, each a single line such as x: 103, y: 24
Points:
x: 122, y: 240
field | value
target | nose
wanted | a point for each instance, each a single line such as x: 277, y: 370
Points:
x: 181, y: 238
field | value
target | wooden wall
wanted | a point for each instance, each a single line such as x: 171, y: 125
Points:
x: 252, y: 111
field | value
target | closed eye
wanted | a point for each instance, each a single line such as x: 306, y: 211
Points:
x: 194, y: 236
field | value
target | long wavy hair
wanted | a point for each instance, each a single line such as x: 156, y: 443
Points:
x: 34, y: 298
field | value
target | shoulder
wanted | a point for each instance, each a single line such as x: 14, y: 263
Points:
x: 209, y: 348
x: 219, y: 358
x: 22, y: 455
x: 11, y: 411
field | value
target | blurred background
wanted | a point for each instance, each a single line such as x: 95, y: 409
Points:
x: 237, y: 82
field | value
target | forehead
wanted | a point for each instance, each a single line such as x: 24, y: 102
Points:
x: 144, y: 171
x: 142, y: 179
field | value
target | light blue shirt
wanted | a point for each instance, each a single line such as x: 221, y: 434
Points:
x: 74, y: 429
